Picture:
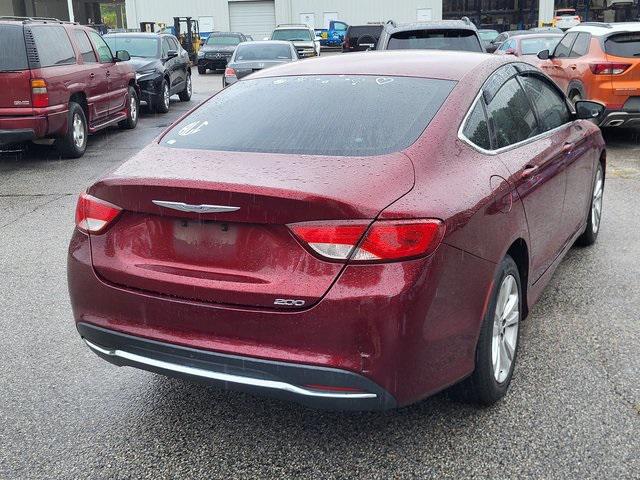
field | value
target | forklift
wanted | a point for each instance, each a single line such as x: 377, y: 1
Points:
x: 187, y: 31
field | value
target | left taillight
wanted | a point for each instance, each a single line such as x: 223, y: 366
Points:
x: 609, y: 68
x: 39, y: 93
x: 94, y: 215
x: 382, y: 241
x: 229, y: 72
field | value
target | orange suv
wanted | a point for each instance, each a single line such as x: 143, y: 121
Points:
x: 601, y: 62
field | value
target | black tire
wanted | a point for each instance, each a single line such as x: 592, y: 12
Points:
x: 202, y: 70
x: 590, y: 235
x: 185, y: 95
x: 161, y: 101
x: 74, y: 145
x: 133, y: 110
x: 482, y: 387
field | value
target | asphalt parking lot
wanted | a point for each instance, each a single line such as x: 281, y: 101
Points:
x: 573, y: 410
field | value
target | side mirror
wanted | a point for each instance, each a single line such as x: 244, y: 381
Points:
x: 122, y: 56
x: 544, y: 55
x: 588, y: 110
x: 172, y: 54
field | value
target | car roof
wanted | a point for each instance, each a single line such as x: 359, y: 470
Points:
x: 268, y: 42
x: 434, y: 25
x: 538, y: 35
x: 137, y: 34
x: 219, y: 34
x: 604, y: 29
x: 408, y: 63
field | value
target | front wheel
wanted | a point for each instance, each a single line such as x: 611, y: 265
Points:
x: 74, y: 143
x: 590, y: 234
x: 498, y: 342
x: 161, y: 102
x: 133, y: 108
x: 202, y: 70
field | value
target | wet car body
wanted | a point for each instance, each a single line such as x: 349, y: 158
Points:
x: 185, y: 290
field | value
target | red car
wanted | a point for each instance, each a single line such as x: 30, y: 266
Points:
x: 528, y: 46
x: 363, y: 264
x: 60, y: 80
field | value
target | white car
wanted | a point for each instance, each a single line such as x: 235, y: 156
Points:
x: 565, y: 18
x: 302, y: 36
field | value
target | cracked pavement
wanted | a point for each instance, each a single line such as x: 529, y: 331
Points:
x: 573, y: 410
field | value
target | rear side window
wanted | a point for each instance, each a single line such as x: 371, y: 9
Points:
x: 84, y: 45
x: 623, y: 45
x: 13, y: 53
x: 550, y: 105
x: 581, y: 45
x: 370, y: 115
x: 512, y: 116
x: 452, y: 39
x: 476, y: 128
x: 564, y: 47
x: 53, y: 45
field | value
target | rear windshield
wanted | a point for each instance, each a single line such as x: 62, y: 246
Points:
x: 623, y: 45
x: 135, y: 46
x: 13, y: 54
x: 372, y: 31
x: 314, y: 115
x: 228, y: 40
x: 531, y: 46
x: 247, y: 53
x: 292, y: 35
x: 462, y: 40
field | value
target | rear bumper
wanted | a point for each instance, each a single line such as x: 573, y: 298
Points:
x: 213, y: 63
x: 619, y: 118
x: 287, y: 381
x: 17, y: 136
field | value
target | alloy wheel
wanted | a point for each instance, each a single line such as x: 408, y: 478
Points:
x: 166, y: 96
x: 189, y: 85
x: 596, y: 203
x: 79, y: 135
x: 505, y: 328
x: 133, y: 108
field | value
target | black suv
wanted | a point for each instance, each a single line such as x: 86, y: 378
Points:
x: 361, y: 37
x: 162, y: 66
x: 459, y: 35
x: 217, y: 50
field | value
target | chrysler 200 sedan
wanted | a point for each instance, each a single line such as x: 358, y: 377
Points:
x: 261, y: 246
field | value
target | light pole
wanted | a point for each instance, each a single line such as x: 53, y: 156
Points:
x: 70, y: 7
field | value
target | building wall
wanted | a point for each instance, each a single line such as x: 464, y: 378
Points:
x: 287, y: 11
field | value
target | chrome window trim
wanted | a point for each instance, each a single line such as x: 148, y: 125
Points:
x: 463, y: 137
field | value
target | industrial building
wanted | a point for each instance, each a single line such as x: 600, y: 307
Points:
x: 258, y: 17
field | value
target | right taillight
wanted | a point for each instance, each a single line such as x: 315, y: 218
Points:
x: 229, y: 72
x: 39, y: 93
x: 608, y: 68
x: 94, y: 215
x: 383, y: 241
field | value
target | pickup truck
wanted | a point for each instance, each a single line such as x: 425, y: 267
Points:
x: 332, y: 36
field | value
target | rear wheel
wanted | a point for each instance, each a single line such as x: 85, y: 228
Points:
x: 74, y: 143
x: 498, y: 342
x: 185, y: 95
x: 133, y: 108
x: 590, y: 234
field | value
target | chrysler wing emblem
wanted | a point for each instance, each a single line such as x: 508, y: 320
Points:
x: 185, y: 207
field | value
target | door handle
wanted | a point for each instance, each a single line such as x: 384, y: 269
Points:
x: 567, y: 147
x: 573, y: 67
x: 529, y: 170
x: 92, y: 76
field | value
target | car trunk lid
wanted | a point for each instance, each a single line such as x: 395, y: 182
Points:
x: 15, y: 76
x: 624, y: 49
x: 245, y: 257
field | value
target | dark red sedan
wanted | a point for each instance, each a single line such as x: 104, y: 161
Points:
x: 354, y: 232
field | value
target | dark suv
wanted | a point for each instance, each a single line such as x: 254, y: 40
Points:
x: 361, y: 37
x: 459, y: 35
x: 60, y: 80
x: 217, y: 50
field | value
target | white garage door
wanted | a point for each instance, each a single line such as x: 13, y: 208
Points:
x: 257, y: 19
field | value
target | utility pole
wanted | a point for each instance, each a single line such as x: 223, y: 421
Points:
x: 70, y: 7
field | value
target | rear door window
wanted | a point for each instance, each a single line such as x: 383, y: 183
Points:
x: 53, y: 45
x: 512, y: 115
x: 551, y: 106
x: 13, y: 54
x: 623, y: 45
x: 378, y: 115
x: 581, y: 45
x: 84, y: 45
x: 564, y: 47
x: 452, y: 39
x: 476, y: 129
